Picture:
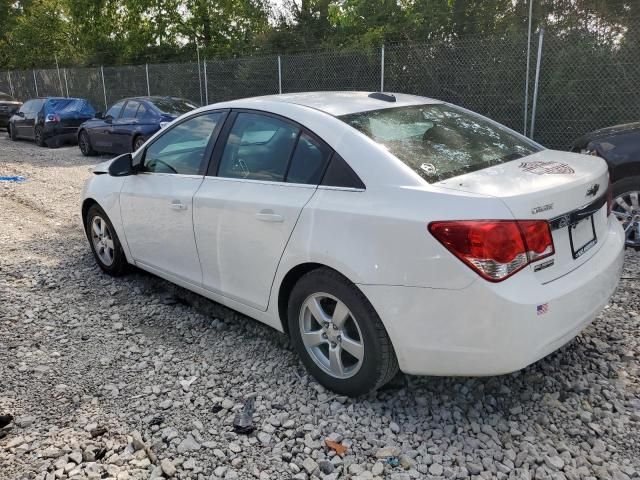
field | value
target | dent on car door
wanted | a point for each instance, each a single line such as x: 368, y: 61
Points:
x: 156, y: 204
x: 268, y: 170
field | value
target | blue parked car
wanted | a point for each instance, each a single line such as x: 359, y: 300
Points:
x: 50, y: 121
x: 129, y: 123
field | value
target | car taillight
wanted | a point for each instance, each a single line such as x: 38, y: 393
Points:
x: 495, y: 249
x: 52, y: 117
x: 609, y: 198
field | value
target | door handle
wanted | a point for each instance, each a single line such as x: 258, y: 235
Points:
x: 178, y: 205
x: 268, y: 215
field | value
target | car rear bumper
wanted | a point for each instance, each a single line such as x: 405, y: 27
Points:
x: 492, y: 329
x: 56, y: 134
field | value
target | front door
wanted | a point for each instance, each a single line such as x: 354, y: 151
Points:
x: 244, y: 216
x: 122, y: 129
x: 156, y: 204
x: 101, y: 135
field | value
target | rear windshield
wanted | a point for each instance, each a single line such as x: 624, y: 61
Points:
x: 174, y: 106
x: 69, y: 105
x: 441, y: 141
x: 6, y: 98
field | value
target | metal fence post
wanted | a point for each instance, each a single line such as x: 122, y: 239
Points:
x: 10, y: 84
x: 535, y: 87
x: 66, y: 85
x: 35, y: 82
x: 526, y: 79
x: 104, y: 88
x: 146, y: 68
x: 279, y: 75
x: 206, y: 88
x: 199, y: 74
x: 382, y: 69
x: 59, y: 78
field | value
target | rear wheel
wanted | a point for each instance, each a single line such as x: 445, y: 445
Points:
x: 104, y: 242
x: 84, y: 142
x: 338, y: 334
x: 626, y: 208
x: 138, y: 142
x: 38, y: 136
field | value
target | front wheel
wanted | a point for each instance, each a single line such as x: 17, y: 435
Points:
x: 138, y: 142
x: 626, y: 208
x: 104, y: 242
x: 338, y: 334
x: 84, y: 142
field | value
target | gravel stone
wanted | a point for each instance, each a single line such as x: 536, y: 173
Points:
x: 90, y: 360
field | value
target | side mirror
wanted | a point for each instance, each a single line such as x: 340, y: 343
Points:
x: 122, y: 166
x: 108, y: 119
x: 99, y: 115
x: 20, y: 114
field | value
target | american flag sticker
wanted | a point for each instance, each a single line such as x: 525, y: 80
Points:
x: 542, y: 309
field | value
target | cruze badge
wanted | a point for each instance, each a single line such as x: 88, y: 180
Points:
x: 542, y: 208
x: 547, y: 168
x: 593, y: 189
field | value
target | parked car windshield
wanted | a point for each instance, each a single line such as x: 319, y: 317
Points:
x: 174, y: 106
x: 441, y: 141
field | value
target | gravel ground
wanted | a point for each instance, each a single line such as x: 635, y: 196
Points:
x: 135, y: 378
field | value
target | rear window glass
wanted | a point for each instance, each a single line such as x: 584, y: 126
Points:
x: 174, y: 106
x: 69, y: 105
x: 441, y: 141
x: 6, y: 98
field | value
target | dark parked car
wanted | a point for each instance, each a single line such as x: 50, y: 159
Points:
x: 50, y: 121
x: 129, y: 123
x: 620, y: 147
x: 8, y: 106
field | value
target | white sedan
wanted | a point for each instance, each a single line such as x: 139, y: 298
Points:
x: 381, y: 232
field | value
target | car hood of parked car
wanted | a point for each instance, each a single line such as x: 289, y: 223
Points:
x: 606, y: 132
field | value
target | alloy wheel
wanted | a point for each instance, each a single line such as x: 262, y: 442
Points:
x: 626, y: 208
x: 138, y: 143
x: 102, y: 239
x: 84, y: 143
x: 331, y: 335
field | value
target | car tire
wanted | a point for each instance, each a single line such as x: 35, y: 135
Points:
x: 622, y: 189
x: 12, y: 133
x: 84, y: 142
x: 104, y: 242
x: 38, y: 136
x: 137, y: 142
x: 327, y: 351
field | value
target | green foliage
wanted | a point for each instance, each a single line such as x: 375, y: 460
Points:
x: 112, y: 32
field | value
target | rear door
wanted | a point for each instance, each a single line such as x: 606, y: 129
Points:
x: 156, y: 204
x: 244, y: 216
x: 20, y: 120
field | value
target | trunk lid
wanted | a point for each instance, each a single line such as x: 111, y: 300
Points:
x: 567, y: 189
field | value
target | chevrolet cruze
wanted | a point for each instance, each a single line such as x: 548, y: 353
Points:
x: 381, y: 232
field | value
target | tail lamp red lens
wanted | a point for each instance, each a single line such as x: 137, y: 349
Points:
x: 52, y: 117
x: 495, y: 249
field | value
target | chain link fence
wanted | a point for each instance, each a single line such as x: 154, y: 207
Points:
x: 584, y: 81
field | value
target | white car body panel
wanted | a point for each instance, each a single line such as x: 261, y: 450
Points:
x: 156, y: 213
x: 442, y: 317
x: 241, y: 228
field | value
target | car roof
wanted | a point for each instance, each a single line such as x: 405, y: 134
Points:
x: 152, y: 98
x: 338, y: 103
